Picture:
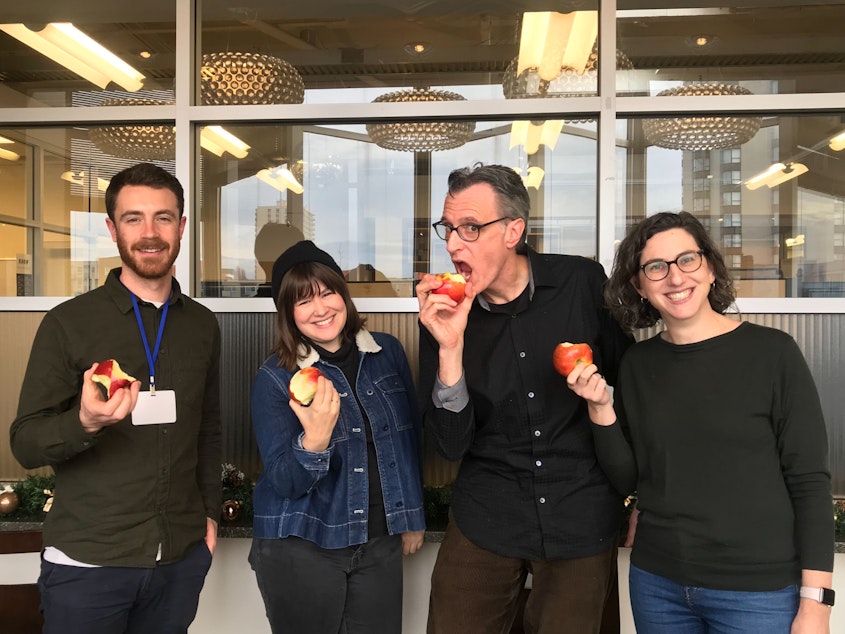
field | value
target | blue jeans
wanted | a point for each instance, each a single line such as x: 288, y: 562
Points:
x: 662, y: 606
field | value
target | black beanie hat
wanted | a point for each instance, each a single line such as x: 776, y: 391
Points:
x: 301, y: 252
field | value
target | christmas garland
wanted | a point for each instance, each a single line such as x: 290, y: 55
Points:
x: 34, y: 495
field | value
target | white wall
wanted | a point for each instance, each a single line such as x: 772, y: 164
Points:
x: 231, y: 604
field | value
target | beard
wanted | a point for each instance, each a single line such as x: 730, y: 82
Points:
x: 148, y: 268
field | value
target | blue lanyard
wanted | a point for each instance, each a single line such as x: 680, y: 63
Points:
x: 151, y: 356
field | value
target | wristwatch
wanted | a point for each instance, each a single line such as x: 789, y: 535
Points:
x: 822, y: 595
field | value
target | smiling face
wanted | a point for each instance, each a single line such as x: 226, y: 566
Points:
x: 679, y: 297
x: 321, y: 317
x: 480, y: 261
x: 147, y: 230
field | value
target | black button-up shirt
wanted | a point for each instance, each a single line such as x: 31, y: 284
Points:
x: 529, y: 485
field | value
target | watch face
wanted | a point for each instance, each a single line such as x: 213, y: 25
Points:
x: 828, y: 596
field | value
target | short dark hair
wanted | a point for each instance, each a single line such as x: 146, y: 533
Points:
x: 511, y: 193
x: 302, y: 282
x: 144, y: 174
x: 619, y: 293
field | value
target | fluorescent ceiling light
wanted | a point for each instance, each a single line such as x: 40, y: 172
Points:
x: 8, y: 154
x: 551, y: 41
x: 837, y: 143
x: 776, y: 174
x: 531, y: 136
x: 66, y: 45
x: 281, y: 178
x: 533, y: 176
x: 82, y: 180
x: 217, y: 140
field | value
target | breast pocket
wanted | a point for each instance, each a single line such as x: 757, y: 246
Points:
x: 395, y: 396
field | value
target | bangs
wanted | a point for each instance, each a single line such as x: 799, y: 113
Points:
x: 303, y: 281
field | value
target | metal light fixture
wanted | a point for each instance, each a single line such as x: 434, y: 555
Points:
x: 5, y: 154
x: 528, y: 84
x: 146, y: 142
x: 280, y: 178
x: 217, y: 140
x: 66, y: 45
x: 533, y: 176
x: 776, y: 174
x: 701, y: 132
x: 550, y: 41
x: 421, y: 136
x: 249, y: 78
x: 532, y: 135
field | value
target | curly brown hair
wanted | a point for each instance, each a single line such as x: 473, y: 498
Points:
x: 303, y: 282
x: 623, y: 300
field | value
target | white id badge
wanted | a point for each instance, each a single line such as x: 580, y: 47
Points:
x: 155, y: 409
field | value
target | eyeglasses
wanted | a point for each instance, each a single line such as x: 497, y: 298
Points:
x: 468, y: 232
x: 688, y: 262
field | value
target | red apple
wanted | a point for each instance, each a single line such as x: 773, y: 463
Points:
x: 110, y: 375
x: 303, y: 385
x: 568, y: 355
x: 453, y: 285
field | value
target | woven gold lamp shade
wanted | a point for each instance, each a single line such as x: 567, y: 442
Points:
x: 249, y: 78
x: 701, y: 132
x: 420, y: 136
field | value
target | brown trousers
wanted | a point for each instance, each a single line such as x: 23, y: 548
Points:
x: 475, y: 591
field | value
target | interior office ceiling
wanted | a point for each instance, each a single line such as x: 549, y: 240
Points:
x: 365, y: 44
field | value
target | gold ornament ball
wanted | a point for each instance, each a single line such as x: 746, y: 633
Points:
x: 231, y: 510
x: 8, y: 502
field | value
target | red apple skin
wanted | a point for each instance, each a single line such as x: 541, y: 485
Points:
x: 567, y: 355
x: 110, y: 375
x: 453, y: 285
x: 303, y: 385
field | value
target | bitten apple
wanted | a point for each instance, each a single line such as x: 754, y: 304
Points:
x: 303, y: 385
x: 568, y: 355
x: 453, y: 285
x: 110, y: 375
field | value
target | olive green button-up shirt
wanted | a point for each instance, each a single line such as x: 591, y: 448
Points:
x: 127, y: 489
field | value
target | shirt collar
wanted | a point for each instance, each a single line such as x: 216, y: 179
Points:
x: 534, y: 260
x: 123, y: 298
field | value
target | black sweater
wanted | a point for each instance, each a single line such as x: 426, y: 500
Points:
x: 731, y: 460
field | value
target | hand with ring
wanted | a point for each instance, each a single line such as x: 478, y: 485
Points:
x: 320, y: 417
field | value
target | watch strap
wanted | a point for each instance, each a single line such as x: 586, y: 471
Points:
x: 822, y: 595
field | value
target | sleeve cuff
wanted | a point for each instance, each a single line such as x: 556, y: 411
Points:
x: 452, y: 398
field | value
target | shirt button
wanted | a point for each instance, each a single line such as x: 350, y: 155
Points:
x: 385, y: 428
x: 522, y: 355
x: 539, y: 463
x: 530, y: 394
x: 537, y: 433
x: 542, y: 500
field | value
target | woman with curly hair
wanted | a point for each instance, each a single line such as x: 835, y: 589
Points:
x: 717, y: 426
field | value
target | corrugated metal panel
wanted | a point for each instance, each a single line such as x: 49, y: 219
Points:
x: 248, y: 337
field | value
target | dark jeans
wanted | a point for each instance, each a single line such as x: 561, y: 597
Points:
x: 112, y: 600
x: 475, y: 591
x: 312, y: 590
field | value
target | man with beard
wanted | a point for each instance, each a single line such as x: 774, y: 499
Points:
x: 133, y: 526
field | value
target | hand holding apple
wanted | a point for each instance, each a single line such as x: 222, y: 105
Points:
x: 567, y: 355
x: 453, y: 285
x: 303, y: 385
x: 110, y: 375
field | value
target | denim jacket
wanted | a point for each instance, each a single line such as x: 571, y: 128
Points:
x: 322, y: 496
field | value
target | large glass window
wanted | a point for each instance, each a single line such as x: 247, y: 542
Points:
x: 372, y: 208
x: 780, y: 223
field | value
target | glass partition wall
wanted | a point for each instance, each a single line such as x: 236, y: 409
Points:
x: 339, y: 122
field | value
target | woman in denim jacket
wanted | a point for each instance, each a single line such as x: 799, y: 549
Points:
x: 340, y: 499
